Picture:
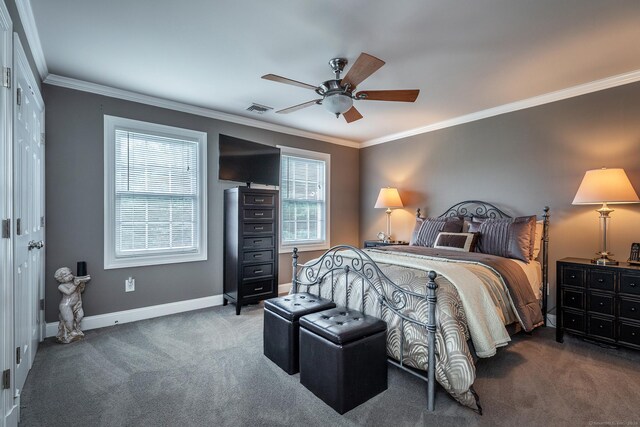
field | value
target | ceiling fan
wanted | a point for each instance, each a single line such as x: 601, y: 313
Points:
x: 338, y: 94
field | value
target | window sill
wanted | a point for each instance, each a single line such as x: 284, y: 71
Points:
x: 142, y: 261
x: 304, y: 248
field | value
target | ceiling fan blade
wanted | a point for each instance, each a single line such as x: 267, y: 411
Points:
x: 389, y: 95
x: 352, y: 115
x: 280, y: 79
x: 298, y: 107
x: 364, y: 66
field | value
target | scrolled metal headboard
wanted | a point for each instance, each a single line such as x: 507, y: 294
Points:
x: 475, y: 209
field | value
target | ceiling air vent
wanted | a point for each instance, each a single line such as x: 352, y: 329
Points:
x: 259, y: 109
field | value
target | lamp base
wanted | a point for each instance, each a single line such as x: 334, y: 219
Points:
x: 604, y: 260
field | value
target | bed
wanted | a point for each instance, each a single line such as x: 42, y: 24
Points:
x: 444, y: 306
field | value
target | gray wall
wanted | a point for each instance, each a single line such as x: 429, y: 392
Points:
x: 74, y: 191
x: 521, y: 161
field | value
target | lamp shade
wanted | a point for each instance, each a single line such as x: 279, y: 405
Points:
x: 389, y: 198
x: 605, y: 186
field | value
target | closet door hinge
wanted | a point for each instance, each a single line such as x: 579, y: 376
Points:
x: 19, y: 96
x: 18, y: 226
x: 42, y: 304
x: 6, y: 77
x: 6, y: 379
x: 6, y: 228
x: 18, y: 355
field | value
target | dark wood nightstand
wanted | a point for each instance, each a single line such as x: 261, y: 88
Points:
x: 374, y: 243
x: 598, y: 302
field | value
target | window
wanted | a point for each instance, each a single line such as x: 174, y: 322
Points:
x: 155, y: 194
x: 304, y: 200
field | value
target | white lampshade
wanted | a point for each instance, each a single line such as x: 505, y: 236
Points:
x: 389, y: 198
x: 338, y: 103
x: 605, y: 186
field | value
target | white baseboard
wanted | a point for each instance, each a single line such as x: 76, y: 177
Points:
x: 126, y: 316
x: 284, y: 288
x: 551, y: 320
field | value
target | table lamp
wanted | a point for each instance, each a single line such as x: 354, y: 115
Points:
x: 605, y: 186
x: 388, y: 198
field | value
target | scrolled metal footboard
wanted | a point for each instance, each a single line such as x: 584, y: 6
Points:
x: 360, y: 269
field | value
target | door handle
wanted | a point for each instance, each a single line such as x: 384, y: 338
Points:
x: 35, y: 245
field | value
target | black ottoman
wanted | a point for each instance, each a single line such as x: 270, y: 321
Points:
x: 343, y: 357
x: 281, y: 317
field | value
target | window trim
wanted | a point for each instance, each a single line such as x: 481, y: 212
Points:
x: 110, y: 259
x: 302, y: 247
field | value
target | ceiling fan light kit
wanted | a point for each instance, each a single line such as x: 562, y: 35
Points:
x: 338, y: 94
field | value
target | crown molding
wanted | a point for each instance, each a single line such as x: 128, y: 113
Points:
x: 33, y: 37
x: 559, y: 95
x: 112, y: 92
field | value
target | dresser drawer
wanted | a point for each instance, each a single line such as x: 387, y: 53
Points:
x: 629, y: 284
x: 573, y: 299
x: 257, y: 256
x: 257, y: 242
x: 257, y: 288
x: 629, y: 333
x: 251, y: 199
x: 600, y: 303
x: 603, y: 280
x: 601, y: 327
x: 573, y: 321
x: 573, y: 277
x: 257, y: 270
x: 258, y: 214
x: 257, y: 228
x: 629, y: 308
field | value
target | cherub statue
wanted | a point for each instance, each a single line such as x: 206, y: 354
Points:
x: 71, y: 312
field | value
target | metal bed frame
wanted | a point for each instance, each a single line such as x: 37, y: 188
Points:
x: 362, y: 267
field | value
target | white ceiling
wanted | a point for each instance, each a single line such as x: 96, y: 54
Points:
x: 464, y: 55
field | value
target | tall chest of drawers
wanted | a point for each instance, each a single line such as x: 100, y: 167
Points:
x: 250, y: 245
x: 599, y: 302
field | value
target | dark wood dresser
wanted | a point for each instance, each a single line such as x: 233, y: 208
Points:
x: 599, y: 302
x: 250, y: 245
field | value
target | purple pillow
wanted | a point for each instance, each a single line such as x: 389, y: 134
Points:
x: 508, y: 237
x: 430, y: 227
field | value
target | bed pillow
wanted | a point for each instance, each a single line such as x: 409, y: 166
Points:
x: 537, y: 239
x: 430, y: 228
x: 463, y: 242
x: 416, y: 229
x: 508, y: 237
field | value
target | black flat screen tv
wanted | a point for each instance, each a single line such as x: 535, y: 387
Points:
x: 250, y: 162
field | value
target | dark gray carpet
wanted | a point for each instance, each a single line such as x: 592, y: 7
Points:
x: 206, y: 368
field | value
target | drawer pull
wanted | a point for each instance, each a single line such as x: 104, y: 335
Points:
x: 601, y: 304
x: 573, y: 320
x: 633, y: 285
x: 257, y: 271
x: 600, y: 280
x: 573, y: 298
x: 258, y: 214
x: 633, y: 309
x: 633, y: 334
x: 257, y: 255
x: 257, y: 241
x: 258, y: 228
x: 259, y: 289
x: 259, y: 200
x: 601, y: 326
x: 573, y: 276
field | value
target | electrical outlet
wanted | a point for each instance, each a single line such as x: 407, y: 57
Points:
x: 130, y: 284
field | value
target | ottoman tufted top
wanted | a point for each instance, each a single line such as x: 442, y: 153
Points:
x: 291, y: 307
x: 341, y: 325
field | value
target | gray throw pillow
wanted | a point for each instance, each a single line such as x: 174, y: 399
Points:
x: 430, y: 228
x: 508, y: 237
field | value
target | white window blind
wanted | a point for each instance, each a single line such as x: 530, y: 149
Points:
x: 155, y: 194
x: 303, y: 192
